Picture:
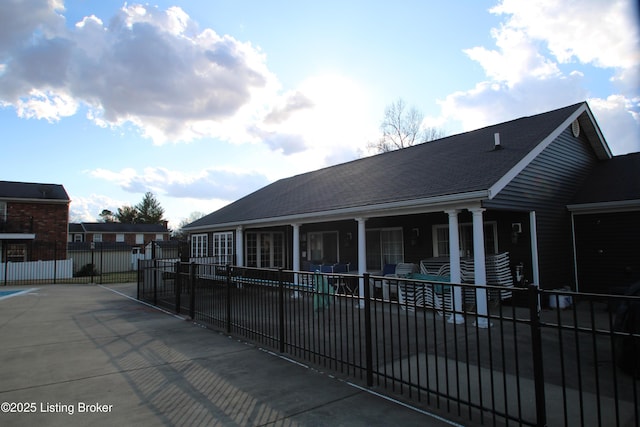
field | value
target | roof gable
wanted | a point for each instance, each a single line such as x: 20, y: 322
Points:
x: 466, y: 163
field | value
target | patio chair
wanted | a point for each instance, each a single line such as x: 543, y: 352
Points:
x: 390, y: 286
x: 428, y: 295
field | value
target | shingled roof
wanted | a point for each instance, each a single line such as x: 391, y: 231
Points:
x: 117, y: 227
x: 11, y: 190
x: 462, y: 164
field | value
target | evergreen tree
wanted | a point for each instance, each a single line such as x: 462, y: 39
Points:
x: 127, y: 215
x: 149, y: 210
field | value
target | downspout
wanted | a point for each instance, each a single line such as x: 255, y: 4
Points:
x: 534, y: 253
x: 534, y: 248
x: 575, y: 255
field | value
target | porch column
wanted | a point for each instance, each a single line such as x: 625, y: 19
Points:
x: 362, y: 257
x: 296, y: 256
x: 454, y: 266
x: 479, y: 266
x: 239, y: 247
x: 296, y: 247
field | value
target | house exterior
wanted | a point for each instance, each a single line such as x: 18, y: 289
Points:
x: 502, y: 188
x: 113, y: 247
x: 33, y: 221
x: 138, y: 235
x: 605, y: 216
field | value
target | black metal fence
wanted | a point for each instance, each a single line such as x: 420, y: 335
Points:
x: 35, y: 262
x: 573, y: 364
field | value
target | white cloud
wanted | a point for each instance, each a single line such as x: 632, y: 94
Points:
x: 149, y: 67
x: 328, y: 115
x: 87, y: 209
x: 543, y: 51
x: 219, y: 184
x: 156, y: 69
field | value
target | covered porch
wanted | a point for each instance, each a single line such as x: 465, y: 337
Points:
x: 459, y: 235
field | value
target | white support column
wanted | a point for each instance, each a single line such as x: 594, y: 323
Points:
x: 296, y: 255
x: 296, y: 247
x: 479, y: 267
x: 454, y: 264
x: 239, y: 247
x: 362, y: 256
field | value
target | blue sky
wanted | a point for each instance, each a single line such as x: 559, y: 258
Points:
x: 204, y: 101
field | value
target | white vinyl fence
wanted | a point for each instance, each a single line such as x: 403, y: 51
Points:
x: 36, y: 270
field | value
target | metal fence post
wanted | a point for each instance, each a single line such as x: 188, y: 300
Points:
x: 228, y: 307
x: 140, y: 280
x: 154, y: 271
x: 281, y: 310
x: 536, y: 350
x: 192, y: 285
x: 55, y: 261
x: 177, y: 286
x: 367, y: 330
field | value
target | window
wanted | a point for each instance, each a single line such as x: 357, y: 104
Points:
x: 465, y: 231
x: 3, y: 211
x: 199, y: 245
x: 223, y: 247
x: 265, y: 250
x: 323, y: 247
x: 77, y: 237
x: 159, y: 236
x: 119, y: 237
x: 139, y: 239
x: 97, y: 237
x: 384, y: 246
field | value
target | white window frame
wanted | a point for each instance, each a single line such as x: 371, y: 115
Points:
x: 139, y: 239
x: 97, y: 237
x: 78, y: 237
x: 466, y: 247
x: 199, y: 245
x: 223, y: 246
x: 159, y: 236
x: 3, y: 211
x: 265, y: 249
x: 120, y: 237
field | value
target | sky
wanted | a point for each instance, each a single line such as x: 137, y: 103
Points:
x: 202, y: 102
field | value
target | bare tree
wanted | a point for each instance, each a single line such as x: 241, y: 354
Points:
x: 180, y: 234
x: 401, y: 127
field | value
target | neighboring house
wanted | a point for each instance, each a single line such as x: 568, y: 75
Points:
x: 114, y: 232
x: 502, y: 188
x: 33, y: 221
x: 119, y: 245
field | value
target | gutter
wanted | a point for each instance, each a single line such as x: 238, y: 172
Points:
x: 601, y: 207
x: 405, y: 207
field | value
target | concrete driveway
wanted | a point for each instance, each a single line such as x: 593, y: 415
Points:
x: 77, y: 355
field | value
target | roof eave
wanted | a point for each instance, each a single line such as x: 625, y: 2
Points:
x: 603, y: 207
x: 34, y: 200
x: 404, y: 207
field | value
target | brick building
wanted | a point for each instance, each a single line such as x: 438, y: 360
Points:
x: 115, y: 232
x: 33, y: 221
